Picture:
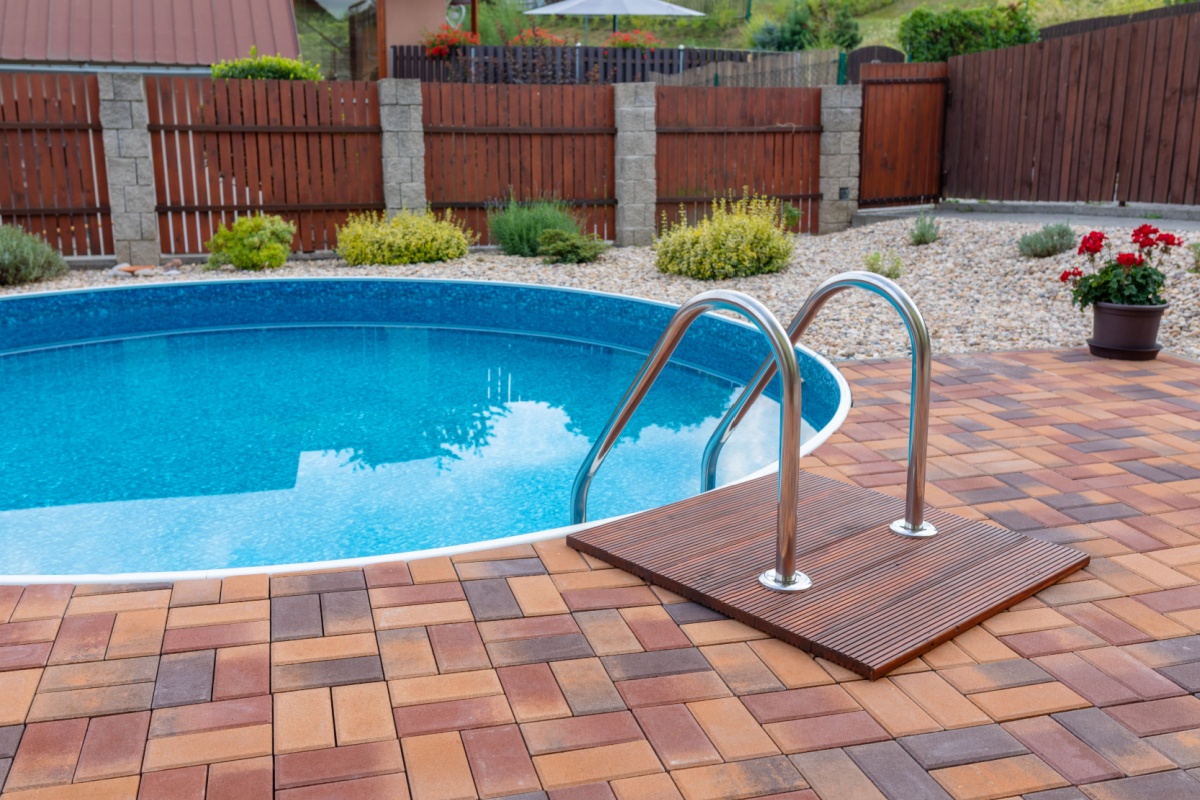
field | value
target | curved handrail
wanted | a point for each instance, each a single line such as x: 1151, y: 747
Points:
x: 914, y: 523
x: 784, y: 576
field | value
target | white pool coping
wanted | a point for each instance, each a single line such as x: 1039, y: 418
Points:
x: 806, y: 447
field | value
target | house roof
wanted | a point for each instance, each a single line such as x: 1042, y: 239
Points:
x: 144, y: 32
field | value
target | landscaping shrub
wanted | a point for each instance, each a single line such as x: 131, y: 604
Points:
x: 928, y: 35
x: 536, y: 37
x: 741, y: 237
x: 794, y: 32
x: 438, y: 43
x: 267, y: 68
x: 409, y: 237
x: 25, y: 258
x: 635, y: 39
x: 892, y: 268
x: 924, y: 230
x: 835, y: 24
x: 258, y: 242
x: 563, y: 247
x: 1049, y: 241
x: 518, y: 227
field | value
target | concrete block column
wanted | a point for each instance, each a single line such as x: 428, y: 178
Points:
x: 130, y: 166
x: 403, y: 144
x: 841, y: 121
x: 637, y: 144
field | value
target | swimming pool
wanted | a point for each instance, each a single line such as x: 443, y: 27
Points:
x: 227, y: 426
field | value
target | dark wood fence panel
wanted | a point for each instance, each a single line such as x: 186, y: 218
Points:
x: 903, y: 117
x: 53, y: 179
x: 1112, y: 114
x: 715, y: 142
x: 485, y: 143
x: 551, y: 65
x: 309, y: 152
x: 872, y: 54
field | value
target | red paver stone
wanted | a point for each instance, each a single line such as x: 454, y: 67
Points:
x: 380, y: 787
x: 528, y: 628
x: 670, y: 689
x: 175, y: 784
x: 499, y: 761
x: 454, y: 715
x: 337, y: 764
x: 393, y: 574
x: 594, y: 730
x: 533, y: 693
x: 1158, y: 716
x: 1055, y: 745
x: 416, y: 595
x: 800, y: 703
x: 242, y: 672
x: 1090, y: 683
x: 45, y: 601
x: 24, y: 656
x: 47, y: 754
x: 820, y: 733
x: 457, y: 647
x: 211, y: 716
x: 676, y: 737
x: 82, y: 638
x: 623, y: 597
x: 247, y: 779
x: 113, y: 747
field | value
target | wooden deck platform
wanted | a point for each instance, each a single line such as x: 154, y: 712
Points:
x: 878, y: 599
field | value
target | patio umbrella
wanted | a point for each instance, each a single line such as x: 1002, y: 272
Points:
x: 615, y: 8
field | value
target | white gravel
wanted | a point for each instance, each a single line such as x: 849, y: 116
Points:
x: 976, y: 292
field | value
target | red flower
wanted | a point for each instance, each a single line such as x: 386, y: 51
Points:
x: 1092, y: 243
x: 1169, y: 240
x: 1068, y: 274
x: 1130, y: 259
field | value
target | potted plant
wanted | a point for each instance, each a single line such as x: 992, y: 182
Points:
x: 1124, y: 291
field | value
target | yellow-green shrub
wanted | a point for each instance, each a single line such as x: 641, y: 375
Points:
x: 741, y: 237
x: 409, y: 237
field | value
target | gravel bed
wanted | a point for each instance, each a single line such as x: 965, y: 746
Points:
x: 976, y: 292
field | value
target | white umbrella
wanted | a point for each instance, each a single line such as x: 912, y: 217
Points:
x: 615, y: 8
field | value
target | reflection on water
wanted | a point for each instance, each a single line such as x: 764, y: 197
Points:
x: 241, y: 448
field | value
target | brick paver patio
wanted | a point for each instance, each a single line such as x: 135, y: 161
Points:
x: 532, y: 672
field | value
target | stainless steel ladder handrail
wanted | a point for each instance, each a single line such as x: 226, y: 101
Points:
x: 784, y: 577
x: 914, y: 523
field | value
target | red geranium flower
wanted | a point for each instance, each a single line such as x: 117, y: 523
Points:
x: 1130, y: 259
x: 1092, y: 243
x: 1169, y: 240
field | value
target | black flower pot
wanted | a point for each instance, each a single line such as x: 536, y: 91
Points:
x: 1129, y: 333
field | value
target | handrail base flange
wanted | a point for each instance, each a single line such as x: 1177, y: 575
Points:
x: 922, y: 531
x: 775, y: 582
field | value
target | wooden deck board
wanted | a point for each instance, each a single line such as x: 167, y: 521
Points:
x: 878, y: 600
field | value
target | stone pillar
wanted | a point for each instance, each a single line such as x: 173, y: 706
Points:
x: 130, y: 166
x: 637, y: 143
x: 403, y: 144
x: 841, y: 121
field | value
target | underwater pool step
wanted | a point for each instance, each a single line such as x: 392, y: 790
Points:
x: 878, y: 600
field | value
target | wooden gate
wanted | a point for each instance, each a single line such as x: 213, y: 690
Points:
x: 307, y: 151
x: 717, y: 142
x: 903, y: 119
x: 53, y: 178
x: 485, y: 143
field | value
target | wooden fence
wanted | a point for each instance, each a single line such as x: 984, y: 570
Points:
x: 714, y: 142
x: 553, y: 65
x: 872, y: 54
x: 1107, y: 115
x: 53, y: 178
x: 760, y: 70
x: 486, y: 143
x: 307, y: 151
x: 903, y: 117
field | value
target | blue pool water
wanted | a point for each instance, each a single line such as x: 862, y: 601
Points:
x: 245, y: 424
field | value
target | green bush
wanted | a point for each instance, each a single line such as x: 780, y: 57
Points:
x: 835, y: 24
x: 409, y: 237
x: 258, y: 242
x: 563, y: 247
x: 740, y: 238
x: 1049, y: 241
x: 924, y: 230
x: 1195, y: 248
x: 25, y: 258
x: 892, y: 268
x: 795, y: 31
x: 267, y: 68
x: 518, y: 227
x: 928, y: 35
